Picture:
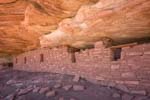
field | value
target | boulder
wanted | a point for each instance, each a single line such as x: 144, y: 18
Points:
x: 24, y: 91
x: 57, y: 86
x: 78, y: 88
x: 116, y: 95
x: 44, y: 90
x: 67, y: 87
x: 51, y: 93
x: 76, y: 78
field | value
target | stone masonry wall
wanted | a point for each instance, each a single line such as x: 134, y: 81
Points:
x: 2, y: 60
x: 1, y: 66
x: 132, y: 69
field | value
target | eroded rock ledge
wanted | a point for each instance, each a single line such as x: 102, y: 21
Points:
x: 77, y: 23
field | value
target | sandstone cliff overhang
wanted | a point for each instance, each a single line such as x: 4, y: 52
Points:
x: 29, y: 24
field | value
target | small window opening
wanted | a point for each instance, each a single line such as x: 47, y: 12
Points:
x: 116, y: 54
x: 41, y: 58
x: 73, y: 58
x: 10, y: 64
x: 25, y: 60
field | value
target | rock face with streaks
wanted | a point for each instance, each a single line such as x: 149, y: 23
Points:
x: 14, y: 38
x: 29, y: 24
x: 120, y: 21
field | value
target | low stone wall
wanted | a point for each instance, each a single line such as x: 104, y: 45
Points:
x: 131, y: 70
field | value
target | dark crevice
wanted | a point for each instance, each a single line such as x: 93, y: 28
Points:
x: 9, y: 2
x: 38, y: 7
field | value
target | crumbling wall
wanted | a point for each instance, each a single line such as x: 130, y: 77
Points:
x: 132, y: 69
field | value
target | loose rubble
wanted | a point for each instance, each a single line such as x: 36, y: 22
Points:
x: 67, y: 87
x: 51, y: 93
x: 49, y: 87
x: 78, y: 88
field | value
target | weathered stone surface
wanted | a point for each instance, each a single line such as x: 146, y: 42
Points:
x: 18, y: 84
x: 36, y: 89
x: 122, y: 87
x: 114, y: 67
x: 127, y: 97
x: 116, y: 95
x: 32, y: 18
x: 100, y: 21
x: 67, y: 87
x: 111, y: 84
x: 24, y: 91
x: 95, y: 81
x: 10, y: 97
x: 44, y: 90
x: 93, y: 91
x: 72, y: 99
x: 139, y: 92
x: 78, y: 87
x: 128, y: 75
x: 10, y: 82
x: 76, y: 78
x: 57, y: 86
x: 104, y: 83
x: 141, y: 98
x: 61, y: 98
x: 51, y: 93
x: 132, y: 82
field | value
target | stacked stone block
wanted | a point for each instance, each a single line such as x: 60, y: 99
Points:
x: 132, y: 69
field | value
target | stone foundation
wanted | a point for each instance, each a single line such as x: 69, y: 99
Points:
x: 130, y: 68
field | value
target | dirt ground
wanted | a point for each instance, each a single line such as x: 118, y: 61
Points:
x: 20, y: 85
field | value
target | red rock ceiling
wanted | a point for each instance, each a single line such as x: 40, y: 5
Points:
x: 25, y: 24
